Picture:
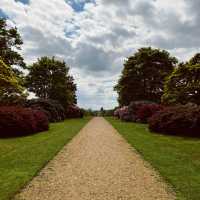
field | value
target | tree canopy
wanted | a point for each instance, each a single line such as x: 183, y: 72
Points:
x: 49, y: 78
x: 10, y: 41
x: 10, y: 88
x: 143, y: 75
x: 183, y: 85
x: 195, y: 59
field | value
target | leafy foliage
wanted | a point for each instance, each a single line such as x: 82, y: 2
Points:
x: 73, y: 111
x: 123, y: 113
x: 195, y: 59
x: 178, y: 120
x: 19, y: 121
x: 146, y: 111
x: 183, y: 85
x: 10, y: 89
x: 53, y: 109
x: 9, y: 41
x: 143, y: 75
x: 49, y: 79
x: 130, y: 113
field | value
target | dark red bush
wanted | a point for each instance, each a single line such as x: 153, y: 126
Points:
x: 19, y: 121
x: 131, y: 112
x: 178, y: 120
x: 145, y: 111
x: 41, y: 119
x: 53, y: 109
x: 123, y: 113
x: 73, y: 112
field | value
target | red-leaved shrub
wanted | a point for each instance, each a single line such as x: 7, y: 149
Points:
x: 19, y: 121
x: 131, y: 112
x: 53, y: 109
x: 123, y: 113
x: 178, y: 120
x: 116, y: 113
x: 73, y: 111
x: 41, y: 119
x: 145, y: 111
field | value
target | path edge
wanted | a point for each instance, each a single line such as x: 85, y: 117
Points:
x: 14, y: 196
x: 168, y: 186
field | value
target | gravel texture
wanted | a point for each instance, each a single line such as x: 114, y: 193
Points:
x: 97, y: 164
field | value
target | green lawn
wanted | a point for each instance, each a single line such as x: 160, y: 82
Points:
x: 21, y: 158
x: 176, y: 158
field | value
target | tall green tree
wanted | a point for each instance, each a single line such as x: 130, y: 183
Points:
x: 49, y: 79
x: 195, y: 59
x: 143, y: 75
x: 10, y: 89
x: 10, y: 44
x: 183, y: 85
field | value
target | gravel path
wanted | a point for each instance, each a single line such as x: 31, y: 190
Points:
x: 97, y: 165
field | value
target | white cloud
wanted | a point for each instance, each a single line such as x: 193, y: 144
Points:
x: 96, y: 40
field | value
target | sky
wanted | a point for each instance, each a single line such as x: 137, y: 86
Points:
x: 94, y: 37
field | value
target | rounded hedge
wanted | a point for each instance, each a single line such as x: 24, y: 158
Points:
x: 183, y: 120
x: 146, y: 111
x: 53, y: 109
x: 73, y: 111
x: 133, y: 113
x: 19, y: 121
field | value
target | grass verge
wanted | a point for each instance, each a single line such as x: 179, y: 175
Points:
x: 177, y: 159
x: 22, y: 158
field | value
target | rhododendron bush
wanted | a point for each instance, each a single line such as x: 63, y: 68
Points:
x: 73, y: 111
x: 19, y: 121
x: 177, y: 120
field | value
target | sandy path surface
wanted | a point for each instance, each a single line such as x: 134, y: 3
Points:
x: 97, y: 165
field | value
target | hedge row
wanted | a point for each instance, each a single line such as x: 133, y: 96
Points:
x: 54, y: 110
x: 183, y: 120
x: 138, y: 111
x: 73, y: 112
x: 19, y: 121
x: 34, y: 116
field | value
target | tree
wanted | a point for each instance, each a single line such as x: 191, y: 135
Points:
x: 183, y: 85
x: 10, y: 41
x: 143, y: 75
x: 10, y: 89
x: 49, y: 79
x: 195, y: 59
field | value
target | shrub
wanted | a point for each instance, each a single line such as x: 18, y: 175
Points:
x: 19, y: 121
x: 73, y: 111
x: 116, y: 113
x: 178, y: 120
x: 146, y: 111
x: 129, y: 113
x: 53, y: 109
x: 124, y: 114
x: 42, y: 122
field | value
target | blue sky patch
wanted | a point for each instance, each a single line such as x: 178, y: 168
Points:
x: 71, y: 33
x: 79, y: 6
x: 23, y: 1
x: 2, y: 14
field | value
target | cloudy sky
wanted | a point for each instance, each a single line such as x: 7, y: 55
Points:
x: 95, y: 36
